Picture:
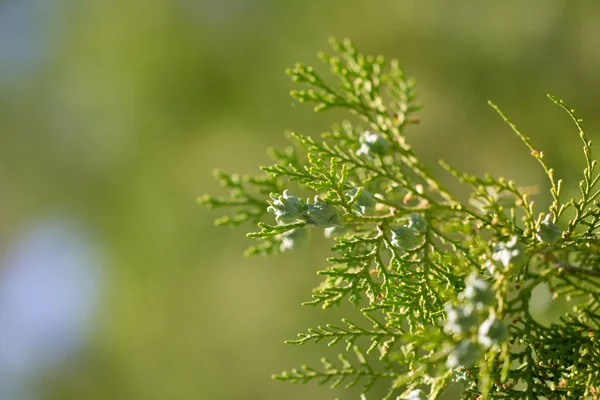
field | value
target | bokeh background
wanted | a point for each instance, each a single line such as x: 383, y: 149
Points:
x: 114, y: 284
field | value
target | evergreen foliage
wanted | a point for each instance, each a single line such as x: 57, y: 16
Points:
x: 445, y: 286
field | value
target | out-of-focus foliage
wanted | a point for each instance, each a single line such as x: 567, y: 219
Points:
x: 116, y: 112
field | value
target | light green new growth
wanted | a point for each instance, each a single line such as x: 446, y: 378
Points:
x: 444, y: 286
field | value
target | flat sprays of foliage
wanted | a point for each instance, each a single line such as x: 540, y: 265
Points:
x: 444, y: 285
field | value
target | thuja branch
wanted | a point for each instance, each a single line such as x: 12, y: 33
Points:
x: 446, y: 286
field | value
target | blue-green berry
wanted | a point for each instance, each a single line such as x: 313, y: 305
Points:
x: 548, y: 231
x: 511, y: 252
x: 478, y: 292
x: 489, y: 266
x: 287, y: 208
x: 461, y: 376
x: 417, y: 222
x: 294, y: 239
x: 460, y: 319
x: 405, y: 238
x: 416, y: 394
x: 492, y: 332
x: 464, y: 354
x: 364, y: 203
x: 322, y: 214
x: 372, y: 144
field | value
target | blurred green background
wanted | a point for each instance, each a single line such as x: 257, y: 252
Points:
x: 114, y: 113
